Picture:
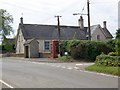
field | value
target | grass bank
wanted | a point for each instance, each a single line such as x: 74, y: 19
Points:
x: 104, y: 69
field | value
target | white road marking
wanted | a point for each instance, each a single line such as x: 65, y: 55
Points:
x: 41, y: 63
x: 36, y: 63
x: 58, y: 66
x: 76, y: 68
x: 69, y: 68
x: 79, y: 64
x: 63, y: 67
x: 6, y: 84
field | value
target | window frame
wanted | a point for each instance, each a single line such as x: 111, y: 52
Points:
x: 46, y: 48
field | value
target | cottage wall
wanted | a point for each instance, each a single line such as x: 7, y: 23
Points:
x: 41, y: 45
x: 34, y: 49
x: 20, y: 43
x: 99, y: 33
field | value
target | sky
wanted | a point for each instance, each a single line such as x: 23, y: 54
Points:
x: 43, y: 12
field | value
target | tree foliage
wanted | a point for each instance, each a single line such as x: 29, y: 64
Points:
x: 118, y: 41
x: 5, y: 23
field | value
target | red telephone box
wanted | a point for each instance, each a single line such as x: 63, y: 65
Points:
x: 54, y: 48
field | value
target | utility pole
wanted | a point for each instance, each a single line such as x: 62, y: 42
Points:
x: 88, y: 36
x: 58, y: 25
x: 88, y: 10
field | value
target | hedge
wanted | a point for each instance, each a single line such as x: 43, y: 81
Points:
x: 87, y: 50
x: 108, y: 60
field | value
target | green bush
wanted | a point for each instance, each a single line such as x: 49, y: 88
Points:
x: 108, y: 60
x: 118, y: 42
x: 7, y: 47
x: 63, y: 45
x: 65, y: 59
x: 85, y: 49
x: 118, y: 46
x: 111, y: 44
x: 113, y: 54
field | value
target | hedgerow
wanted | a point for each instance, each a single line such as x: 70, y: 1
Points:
x: 84, y: 49
x: 107, y: 60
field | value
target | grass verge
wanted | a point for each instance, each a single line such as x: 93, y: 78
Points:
x: 104, y: 69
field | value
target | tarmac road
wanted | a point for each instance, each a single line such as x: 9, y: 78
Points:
x: 26, y: 74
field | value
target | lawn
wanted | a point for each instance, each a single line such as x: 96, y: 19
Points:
x: 104, y: 69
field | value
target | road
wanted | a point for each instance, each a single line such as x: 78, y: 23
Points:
x: 26, y: 74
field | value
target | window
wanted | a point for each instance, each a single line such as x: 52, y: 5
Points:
x: 98, y: 37
x: 47, y: 45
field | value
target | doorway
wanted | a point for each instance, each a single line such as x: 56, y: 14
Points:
x: 26, y: 52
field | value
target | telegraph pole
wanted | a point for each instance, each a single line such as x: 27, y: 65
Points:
x: 58, y: 25
x: 88, y: 10
x: 88, y: 36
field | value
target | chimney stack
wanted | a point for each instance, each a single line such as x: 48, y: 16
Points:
x: 21, y: 20
x: 104, y: 24
x: 81, y: 22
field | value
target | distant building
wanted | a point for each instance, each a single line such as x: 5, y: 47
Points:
x: 36, y: 38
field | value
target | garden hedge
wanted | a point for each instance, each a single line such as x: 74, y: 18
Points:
x: 108, y: 60
x: 87, y: 50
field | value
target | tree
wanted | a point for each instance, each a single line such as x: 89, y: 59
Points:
x: 5, y: 23
x: 118, y: 41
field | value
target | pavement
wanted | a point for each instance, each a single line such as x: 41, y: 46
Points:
x: 47, y: 60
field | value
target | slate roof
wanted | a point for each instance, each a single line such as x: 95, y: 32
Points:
x: 107, y: 33
x: 50, y: 32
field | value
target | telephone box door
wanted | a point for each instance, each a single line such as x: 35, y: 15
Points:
x: 54, y: 48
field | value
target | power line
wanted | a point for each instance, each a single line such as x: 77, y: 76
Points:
x: 83, y: 8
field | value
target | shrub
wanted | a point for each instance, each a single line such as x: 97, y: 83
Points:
x: 65, y: 59
x: 118, y: 42
x: 112, y: 54
x: 108, y: 60
x: 85, y: 49
x: 63, y: 45
x: 111, y: 44
x: 8, y: 48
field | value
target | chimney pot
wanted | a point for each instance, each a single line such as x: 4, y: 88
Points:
x: 81, y: 22
x: 104, y: 24
x: 21, y: 20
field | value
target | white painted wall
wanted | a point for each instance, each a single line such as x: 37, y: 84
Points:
x: 41, y: 45
x: 97, y: 32
x: 20, y: 43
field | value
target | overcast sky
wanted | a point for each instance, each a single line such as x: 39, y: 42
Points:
x: 43, y: 12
